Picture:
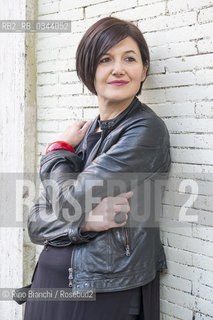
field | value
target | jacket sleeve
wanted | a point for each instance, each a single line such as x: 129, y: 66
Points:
x: 43, y: 223
x: 142, y: 147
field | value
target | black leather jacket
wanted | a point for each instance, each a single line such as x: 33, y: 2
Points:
x: 134, y: 142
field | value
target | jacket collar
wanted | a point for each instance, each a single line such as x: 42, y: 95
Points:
x: 110, y: 124
x: 106, y: 125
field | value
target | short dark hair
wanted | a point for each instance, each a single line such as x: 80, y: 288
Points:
x: 98, y: 39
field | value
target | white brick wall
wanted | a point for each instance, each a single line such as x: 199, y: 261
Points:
x: 12, y: 115
x: 179, y: 88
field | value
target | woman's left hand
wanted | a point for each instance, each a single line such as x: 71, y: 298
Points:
x: 102, y: 217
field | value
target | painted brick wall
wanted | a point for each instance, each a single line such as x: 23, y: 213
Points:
x: 179, y: 88
x: 17, y: 151
x: 12, y: 76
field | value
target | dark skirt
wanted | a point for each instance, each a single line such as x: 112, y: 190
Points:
x: 52, y: 272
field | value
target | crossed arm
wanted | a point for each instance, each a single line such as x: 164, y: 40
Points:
x: 46, y: 217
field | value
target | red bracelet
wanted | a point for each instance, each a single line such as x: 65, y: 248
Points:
x: 57, y: 145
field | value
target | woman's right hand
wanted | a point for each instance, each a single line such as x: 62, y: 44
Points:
x: 75, y: 133
x: 102, y: 217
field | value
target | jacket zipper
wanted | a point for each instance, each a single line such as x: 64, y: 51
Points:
x: 127, y: 247
x: 70, y: 270
x: 47, y: 242
x: 96, y: 148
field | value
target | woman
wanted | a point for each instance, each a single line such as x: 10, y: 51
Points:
x: 114, y: 247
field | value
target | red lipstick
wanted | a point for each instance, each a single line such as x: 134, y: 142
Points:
x: 118, y: 82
